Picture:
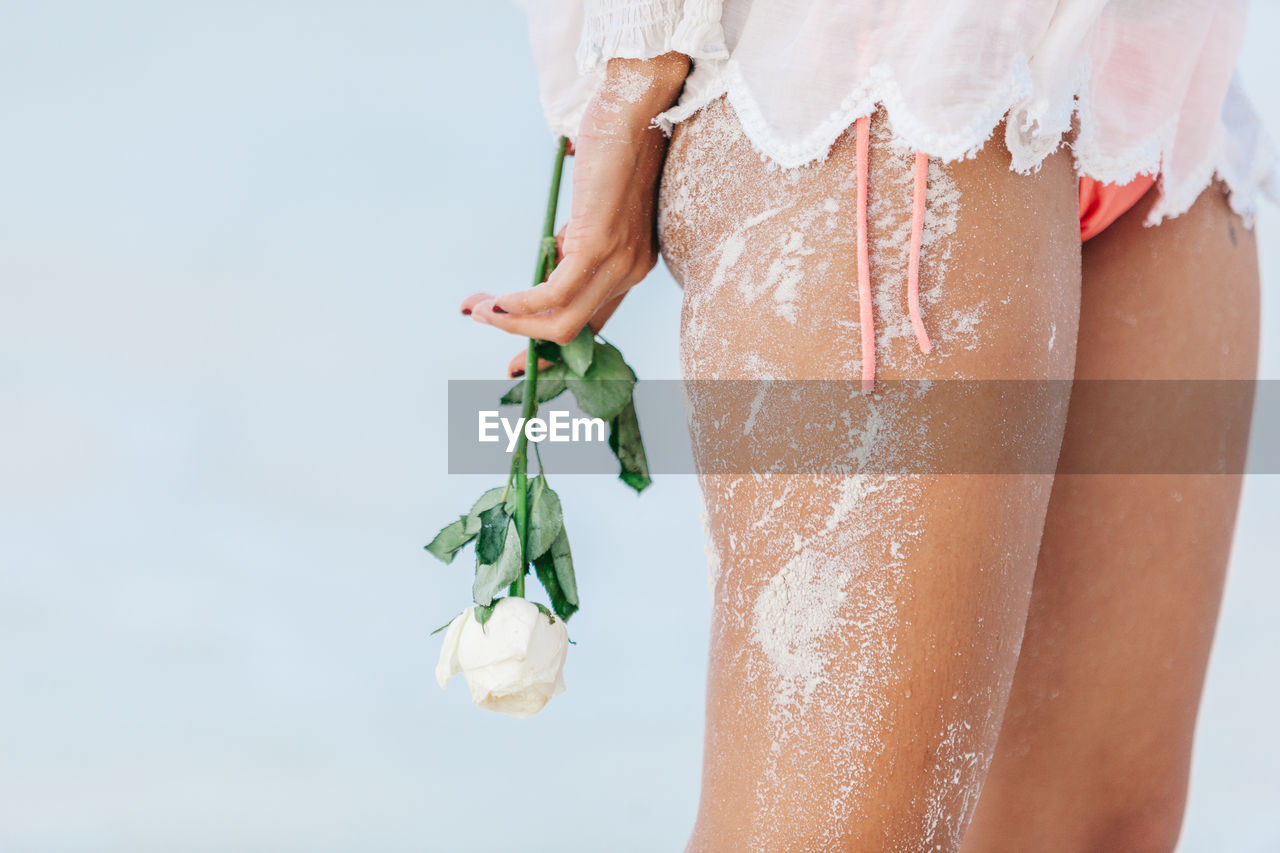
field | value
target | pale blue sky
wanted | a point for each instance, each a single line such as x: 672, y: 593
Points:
x: 232, y: 241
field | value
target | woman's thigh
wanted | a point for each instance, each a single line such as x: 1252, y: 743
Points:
x: 1097, y: 739
x: 865, y: 628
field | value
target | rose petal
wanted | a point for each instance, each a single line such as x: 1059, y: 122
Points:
x: 447, y: 667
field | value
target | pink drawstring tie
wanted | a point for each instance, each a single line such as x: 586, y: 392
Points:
x: 913, y: 262
x: 866, y: 318
x: 864, y: 264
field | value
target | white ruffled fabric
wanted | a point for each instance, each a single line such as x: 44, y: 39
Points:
x: 1150, y: 82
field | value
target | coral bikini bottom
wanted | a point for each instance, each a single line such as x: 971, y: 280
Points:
x: 1100, y: 205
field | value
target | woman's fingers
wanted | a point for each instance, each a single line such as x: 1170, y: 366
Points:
x: 560, y: 326
x: 557, y: 309
x: 469, y: 303
x: 515, y: 367
x: 580, y: 277
x: 565, y: 313
x: 567, y: 282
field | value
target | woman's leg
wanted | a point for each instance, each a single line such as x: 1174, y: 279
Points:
x: 865, y: 629
x: 1096, y: 742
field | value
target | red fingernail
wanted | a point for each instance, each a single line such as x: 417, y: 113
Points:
x: 516, y: 374
x: 466, y: 312
x: 498, y: 309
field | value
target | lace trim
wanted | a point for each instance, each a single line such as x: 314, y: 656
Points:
x: 1117, y: 167
x: 725, y: 78
x: 1179, y: 191
x: 1036, y: 130
x: 1032, y: 134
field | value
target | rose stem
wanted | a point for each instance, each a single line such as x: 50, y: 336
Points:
x: 520, y: 461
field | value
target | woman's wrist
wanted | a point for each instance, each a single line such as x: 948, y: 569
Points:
x: 640, y: 89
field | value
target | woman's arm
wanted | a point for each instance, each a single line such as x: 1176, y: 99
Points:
x: 610, y: 242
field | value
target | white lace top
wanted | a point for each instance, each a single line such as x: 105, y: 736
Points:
x: 1151, y: 81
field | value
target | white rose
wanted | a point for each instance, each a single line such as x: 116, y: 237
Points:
x: 514, y: 663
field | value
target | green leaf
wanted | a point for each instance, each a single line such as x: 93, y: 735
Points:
x: 627, y: 445
x: 450, y: 540
x: 492, y: 578
x: 491, y: 498
x: 454, y: 536
x: 493, y: 531
x: 608, y: 363
x: 564, y: 566
x: 555, y: 571
x: 482, y: 612
x: 578, y: 353
x: 545, y: 518
x: 513, y: 498
x: 550, y: 350
x: 606, y: 386
x: 547, y: 574
x: 550, y: 386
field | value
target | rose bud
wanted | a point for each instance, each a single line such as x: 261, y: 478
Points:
x: 514, y: 663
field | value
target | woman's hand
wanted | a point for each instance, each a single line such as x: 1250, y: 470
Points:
x: 515, y: 368
x: 610, y: 242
